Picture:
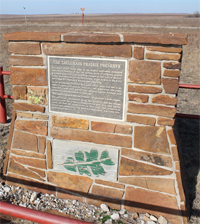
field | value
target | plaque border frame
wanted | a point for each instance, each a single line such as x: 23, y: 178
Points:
x: 89, y: 116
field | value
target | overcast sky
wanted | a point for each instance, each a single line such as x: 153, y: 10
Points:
x: 98, y: 6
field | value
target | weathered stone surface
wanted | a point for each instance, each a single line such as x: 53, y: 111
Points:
x: 37, y: 95
x: 90, y: 37
x: 144, y: 72
x: 159, y: 56
x: 19, y: 92
x: 170, y: 85
x: 40, y: 172
x: 130, y: 167
x: 156, y: 38
x: 147, y: 157
x: 138, y: 98
x: 65, y: 195
x: 49, y: 155
x: 142, y: 201
x: 36, y: 36
x: 28, y: 107
x: 144, y: 89
x: 123, y: 129
x: 25, y: 141
x: 180, y: 185
x: 24, y: 115
x: 151, y: 183
x: 10, y: 137
x: 177, y: 166
x: 24, y: 48
x: 164, y: 99
x: 28, y: 154
x: 165, y: 121
x: 87, y: 50
x: 41, y: 144
x: 15, y: 167
x: 102, y: 126
x: 175, y: 154
x: 68, y: 122
x: 79, y: 184
x: 35, y: 127
x: 38, y: 163
x: 171, y: 73
x: 28, y: 76
x: 89, y: 136
x: 111, y: 184
x: 41, y: 116
x: 172, y: 65
x: 151, y: 109
x: 141, y: 119
x: 26, y: 61
x: 171, y: 136
x: 107, y: 192
x: 165, y: 49
x: 138, y: 53
x: 152, y: 139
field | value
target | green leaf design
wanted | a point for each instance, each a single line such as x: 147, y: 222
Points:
x: 88, y: 163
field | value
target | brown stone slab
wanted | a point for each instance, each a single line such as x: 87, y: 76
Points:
x: 158, y: 184
x: 165, y: 49
x: 180, y: 186
x: 102, y: 126
x: 28, y: 76
x: 28, y: 154
x: 35, y: 36
x: 40, y: 172
x: 24, y: 48
x: 37, y: 95
x: 171, y: 136
x: 175, y: 153
x: 165, y: 121
x: 151, y: 109
x: 171, y: 73
x: 130, y: 167
x: 107, y: 192
x: 49, y: 156
x: 170, y: 85
x: 68, y: 122
x: 78, y: 184
x: 144, y: 89
x: 138, y: 53
x: 25, y: 141
x: 145, y: 72
x: 41, y: 116
x: 65, y: 195
x: 155, y: 203
x: 35, y: 127
x: 108, y: 183
x: 89, y: 136
x: 163, y: 99
x: 172, y: 65
x: 10, y: 137
x: 41, y: 144
x: 26, y: 61
x: 24, y: 115
x: 90, y: 37
x: 19, y: 92
x: 15, y: 167
x: 141, y: 119
x: 138, y: 98
x: 151, y: 139
x: 155, y: 39
x: 28, y: 107
x: 159, y: 56
x: 38, y: 163
x: 123, y: 129
x: 87, y: 50
x: 147, y: 157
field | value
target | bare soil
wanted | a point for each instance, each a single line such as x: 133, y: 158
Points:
x: 188, y: 100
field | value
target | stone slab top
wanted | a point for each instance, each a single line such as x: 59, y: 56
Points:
x: 98, y: 37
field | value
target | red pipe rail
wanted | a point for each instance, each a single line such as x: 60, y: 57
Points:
x: 35, y: 216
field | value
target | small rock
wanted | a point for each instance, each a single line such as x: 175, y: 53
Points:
x: 145, y: 218
x: 147, y: 215
x: 162, y: 220
x: 122, y: 212
x: 135, y: 215
x: 151, y: 222
x: 109, y: 221
x: 104, y: 207
x: 125, y: 215
x: 74, y: 202
x: 6, y: 189
x: 33, y: 196
x: 115, y: 216
x: 153, y: 218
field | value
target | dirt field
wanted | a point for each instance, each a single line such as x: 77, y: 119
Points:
x: 188, y: 100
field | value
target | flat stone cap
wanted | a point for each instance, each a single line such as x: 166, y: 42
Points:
x: 98, y: 37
